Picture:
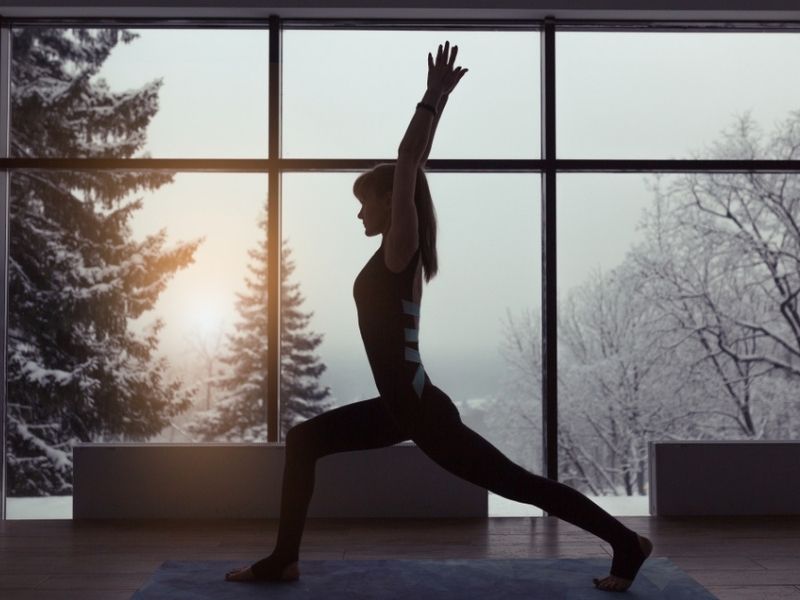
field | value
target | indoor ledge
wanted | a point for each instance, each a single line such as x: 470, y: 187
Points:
x: 696, y: 10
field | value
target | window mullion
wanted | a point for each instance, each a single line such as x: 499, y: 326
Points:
x: 548, y: 228
x: 5, y: 84
x: 274, y: 237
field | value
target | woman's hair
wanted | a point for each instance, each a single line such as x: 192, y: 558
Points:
x: 378, y: 180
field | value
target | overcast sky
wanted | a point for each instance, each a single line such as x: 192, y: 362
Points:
x: 351, y: 94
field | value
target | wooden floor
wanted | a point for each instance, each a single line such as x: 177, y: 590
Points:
x: 735, y: 558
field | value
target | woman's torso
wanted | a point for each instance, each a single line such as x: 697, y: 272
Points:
x: 388, y: 306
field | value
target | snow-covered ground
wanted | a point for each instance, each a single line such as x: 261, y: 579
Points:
x: 621, y: 506
x: 60, y: 507
x: 44, y: 507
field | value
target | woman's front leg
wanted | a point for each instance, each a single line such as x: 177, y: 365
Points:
x: 362, y: 425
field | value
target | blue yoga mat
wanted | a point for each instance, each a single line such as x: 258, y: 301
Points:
x: 457, y: 579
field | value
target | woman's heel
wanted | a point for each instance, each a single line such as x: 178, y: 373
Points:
x: 290, y: 572
x: 648, y: 545
x: 270, y: 569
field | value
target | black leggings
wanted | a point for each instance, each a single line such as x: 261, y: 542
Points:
x: 438, y: 431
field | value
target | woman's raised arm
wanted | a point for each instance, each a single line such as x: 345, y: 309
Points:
x: 402, y: 238
x: 439, y: 111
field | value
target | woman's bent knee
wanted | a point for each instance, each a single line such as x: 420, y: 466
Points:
x: 297, y: 438
x: 308, y: 439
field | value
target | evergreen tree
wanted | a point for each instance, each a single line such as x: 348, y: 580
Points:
x: 75, y: 371
x: 240, y: 412
x: 301, y: 395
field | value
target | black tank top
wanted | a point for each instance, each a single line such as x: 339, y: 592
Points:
x: 386, y: 311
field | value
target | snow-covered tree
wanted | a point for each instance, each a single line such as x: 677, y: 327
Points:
x: 722, y: 261
x: 611, y: 382
x: 516, y: 414
x: 621, y: 383
x: 205, y: 351
x: 240, y: 412
x: 696, y: 334
x: 76, y: 373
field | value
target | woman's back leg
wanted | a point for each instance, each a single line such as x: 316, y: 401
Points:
x: 465, y: 453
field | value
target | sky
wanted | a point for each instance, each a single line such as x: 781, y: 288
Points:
x: 351, y: 94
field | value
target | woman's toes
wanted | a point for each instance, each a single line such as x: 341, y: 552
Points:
x: 242, y: 574
x: 606, y: 584
x: 611, y: 583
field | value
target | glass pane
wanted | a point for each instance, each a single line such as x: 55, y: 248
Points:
x: 91, y: 277
x: 671, y: 323
x: 665, y: 95
x: 351, y: 94
x: 158, y: 93
x: 488, y: 281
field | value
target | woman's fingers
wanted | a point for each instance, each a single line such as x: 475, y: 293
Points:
x: 453, y: 56
x: 443, y: 56
x: 446, y: 55
x: 453, y: 80
x: 443, y: 66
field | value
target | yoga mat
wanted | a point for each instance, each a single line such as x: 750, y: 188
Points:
x: 457, y: 579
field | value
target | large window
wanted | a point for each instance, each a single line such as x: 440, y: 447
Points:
x: 142, y: 288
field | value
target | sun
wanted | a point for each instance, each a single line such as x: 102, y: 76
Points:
x: 205, y: 318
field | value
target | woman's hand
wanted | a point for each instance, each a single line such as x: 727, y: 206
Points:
x: 442, y: 77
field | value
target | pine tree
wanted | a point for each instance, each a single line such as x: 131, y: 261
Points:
x: 240, y: 412
x: 301, y: 395
x: 76, y: 277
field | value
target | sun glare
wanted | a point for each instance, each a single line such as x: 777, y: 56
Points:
x: 206, y: 318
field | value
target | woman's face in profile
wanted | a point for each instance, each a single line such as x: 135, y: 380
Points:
x: 375, y: 213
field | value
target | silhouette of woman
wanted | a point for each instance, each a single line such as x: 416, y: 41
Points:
x: 396, y: 203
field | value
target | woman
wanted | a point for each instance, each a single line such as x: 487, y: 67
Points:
x: 396, y: 203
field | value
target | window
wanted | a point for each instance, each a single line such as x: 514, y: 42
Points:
x: 657, y: 94
x: 353, y: 96
x: 101, y: 249
x: 160, y: 93
x: 671, y: 325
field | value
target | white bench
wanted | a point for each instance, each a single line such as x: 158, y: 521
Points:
x: 743, y: 477
x: 220, y: 480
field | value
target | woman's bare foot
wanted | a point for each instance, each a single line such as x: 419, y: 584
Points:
x: 289, y: 573
x: 240, y: 574
x: 632, y: 561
